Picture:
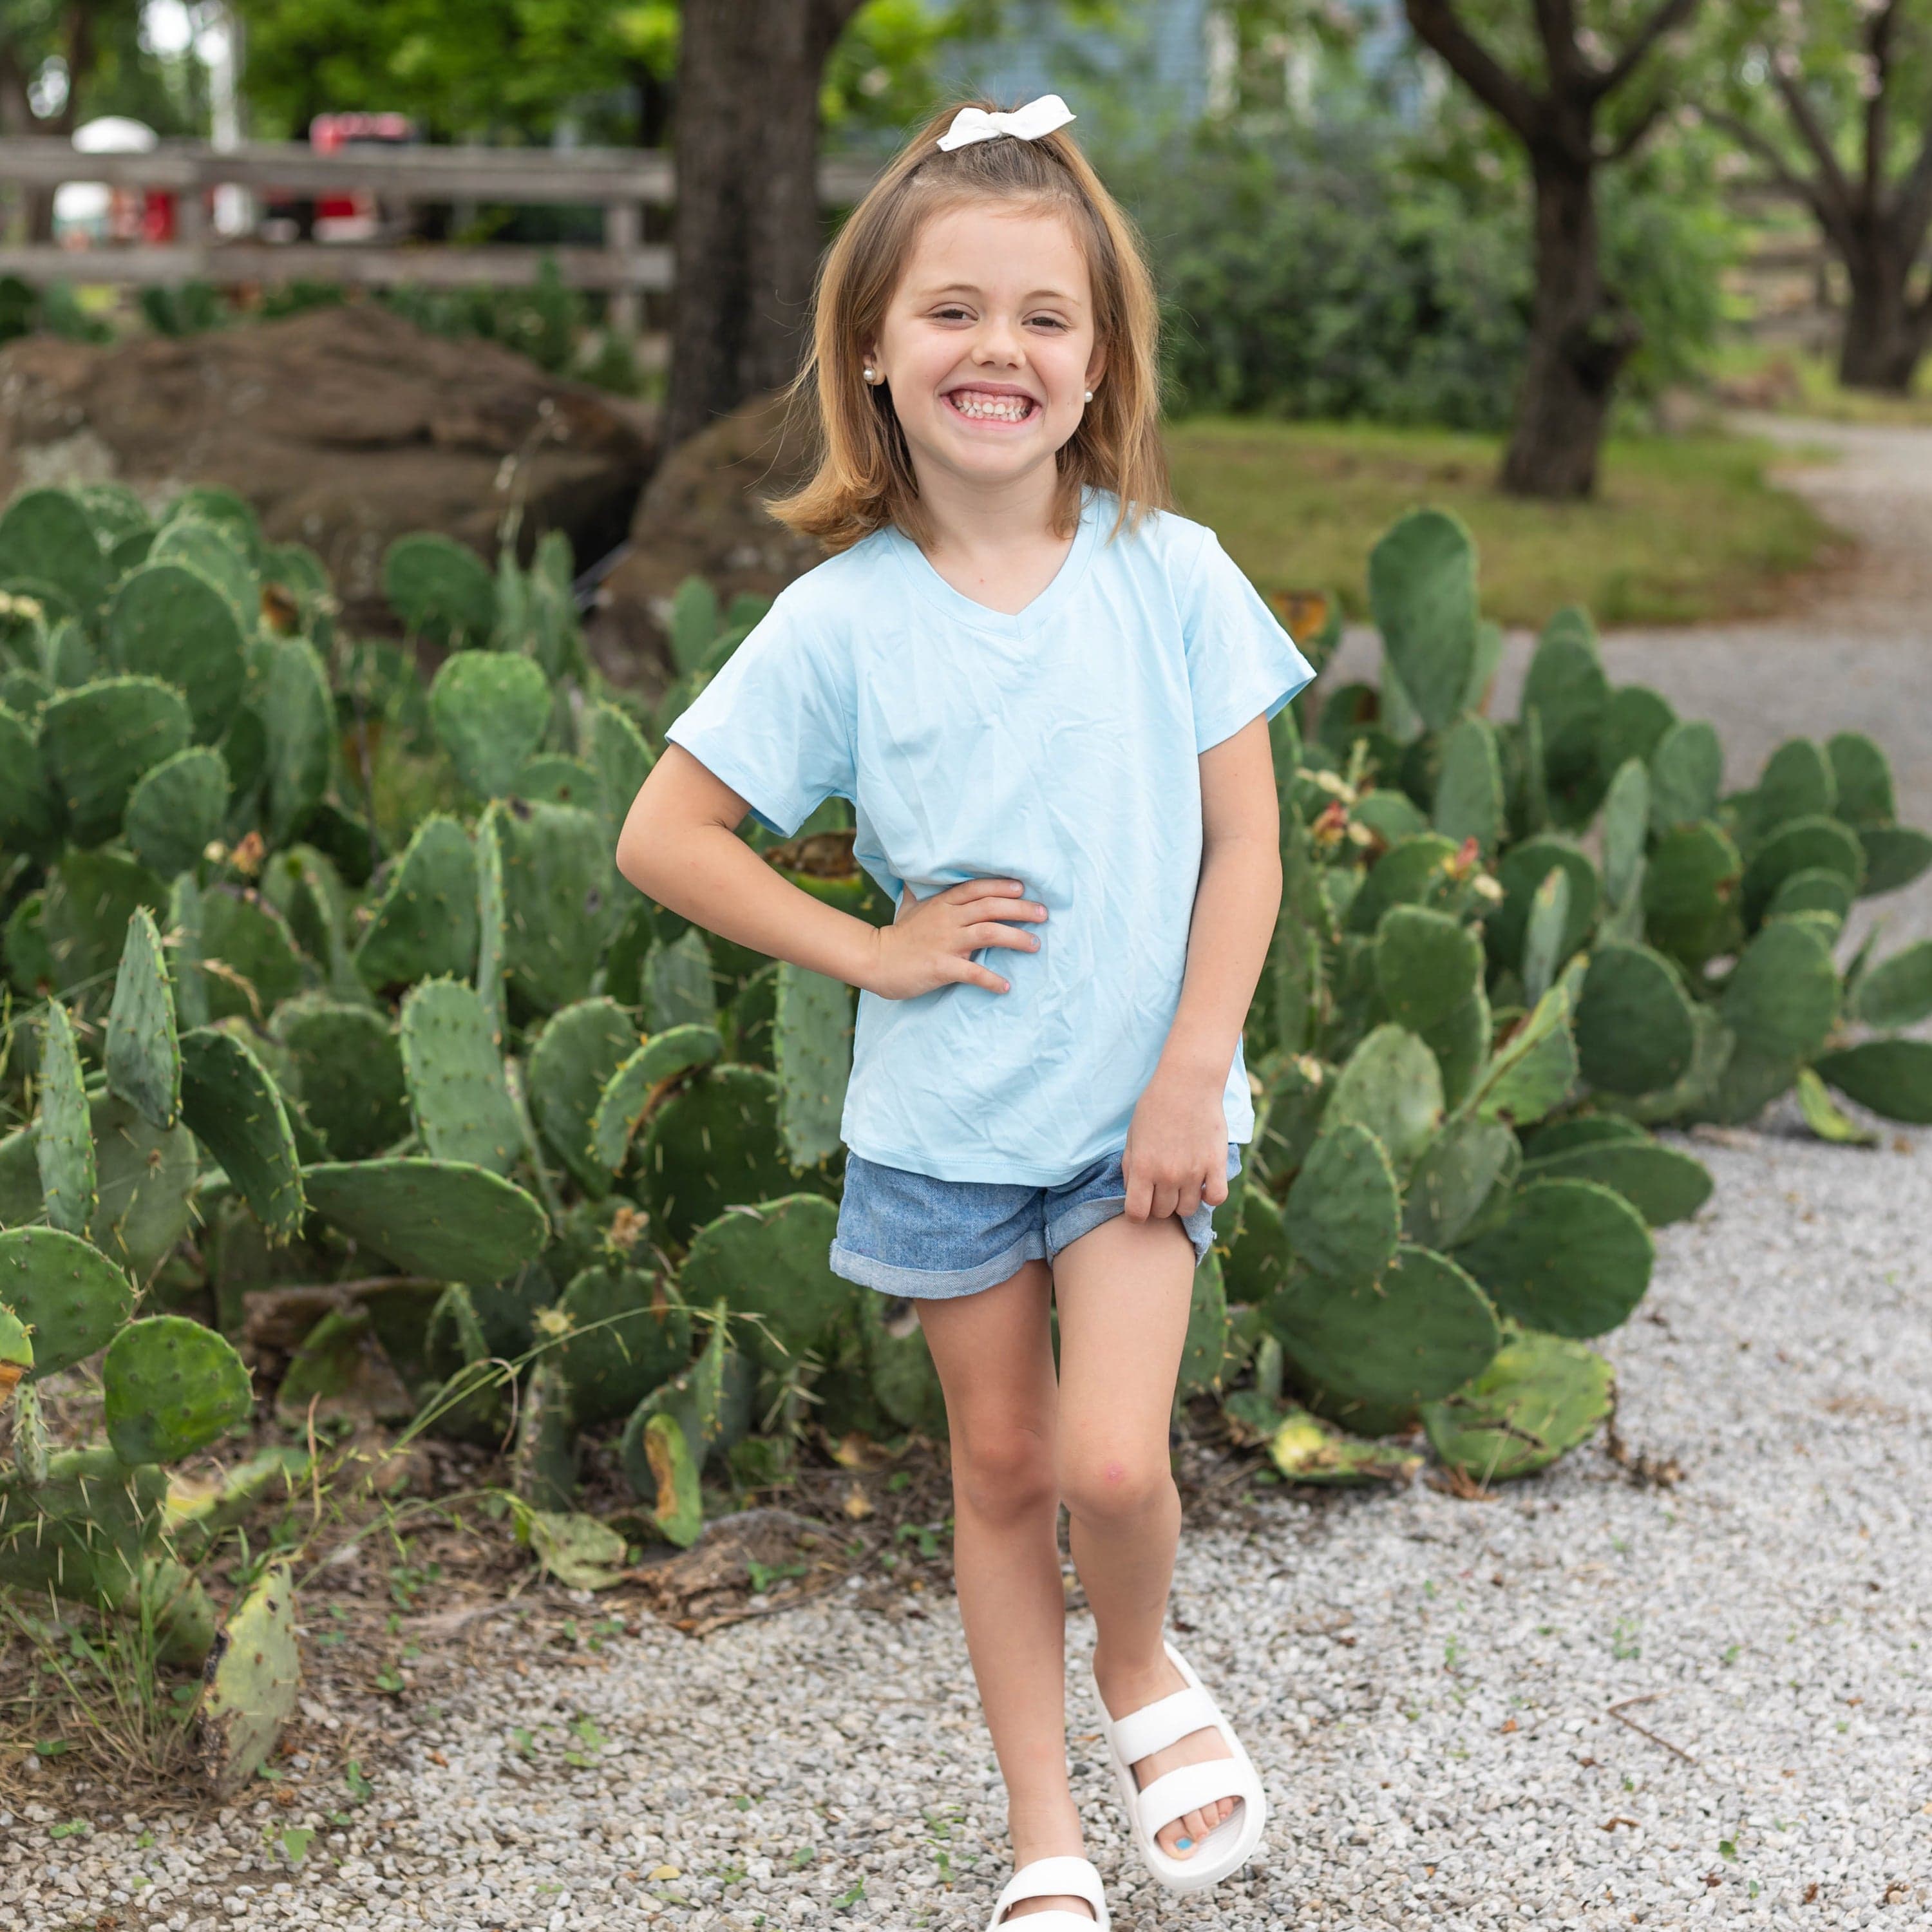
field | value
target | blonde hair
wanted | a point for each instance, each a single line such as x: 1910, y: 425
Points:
x: 863, y: 478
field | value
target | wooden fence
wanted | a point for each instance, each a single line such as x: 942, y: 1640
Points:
x: 621, y: 180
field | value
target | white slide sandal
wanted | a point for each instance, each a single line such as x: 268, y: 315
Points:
x: 1153, y: 1727
x: 1066, y: 1877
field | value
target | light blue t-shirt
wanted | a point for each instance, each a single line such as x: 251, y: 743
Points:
x: 1057, y: 746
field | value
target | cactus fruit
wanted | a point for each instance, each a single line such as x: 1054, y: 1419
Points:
x: 440, y: 589
x: 432, y: 1217
x: 176, y: 808
x: 559, y: 895
x: 1422, y: 587
x: 1540, y: 1397
x: 1457, y: 1173
x: 426, y: 923
x: 458, y: 1094
x: 98, y: 740
x: 1571, y: 1259
x: 233, y: 1107
x: 1690, y: 890
x: 1897, y: 992
x: 1796, y: 846
x: 1664, y: 1184
x: 1343, y: 1213
x: 679, y: 983
x: 1687, y: 770
x: 347, y: 1070
x: 64, y: 1139
x: 1782, y: 996
x: 251, y: 1684
x: 1892, y: 1077
x: 171, y: 623
x: 71, y: 1297
x: 618, y: 1340
x: 1423, y: 1329
x: 1392, y: 1087
x: 1304, y: 1450
x: 769, y: 1261
x: 574, y: 1059
x: 1635, y: 1029
x: 489, y: 709
x: 630, y: 1090
x: 1532, y: 1074
x: 171, y: 1387
x: 711, y: 1145
x: 811, y: 1034
x: 143, y: 1054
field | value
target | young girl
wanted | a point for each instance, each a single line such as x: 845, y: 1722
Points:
x: 1046, y: 697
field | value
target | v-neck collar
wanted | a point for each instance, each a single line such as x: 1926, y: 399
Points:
x: 934, y: 588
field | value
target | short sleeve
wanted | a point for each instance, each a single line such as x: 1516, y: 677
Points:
x: 775, y: 723
x: 1241, y: 663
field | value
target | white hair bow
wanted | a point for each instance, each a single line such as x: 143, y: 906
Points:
x: 1028, y: 123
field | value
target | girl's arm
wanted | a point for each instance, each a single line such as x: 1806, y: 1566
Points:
x: 680, y: 845
x: 1178, y: 1141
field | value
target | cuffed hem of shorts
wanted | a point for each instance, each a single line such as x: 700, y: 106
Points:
x: 1103, y: 1208
x: 932, y: 1284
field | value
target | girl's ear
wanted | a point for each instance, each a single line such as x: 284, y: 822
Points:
x: 1096, y: 365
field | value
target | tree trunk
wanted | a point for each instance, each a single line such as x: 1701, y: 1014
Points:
x: 745, y: 232
x: 1885, y: 331
x: 1580, y: 336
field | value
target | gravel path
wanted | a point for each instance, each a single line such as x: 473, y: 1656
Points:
x: 1426, y: 1684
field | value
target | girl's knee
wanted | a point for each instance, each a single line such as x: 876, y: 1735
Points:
x: 1115, y: 1484
x: 1004, y: 1473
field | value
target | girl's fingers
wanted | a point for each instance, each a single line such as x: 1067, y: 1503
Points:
x: 985, y: 932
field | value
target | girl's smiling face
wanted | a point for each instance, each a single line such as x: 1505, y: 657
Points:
x: 987, y: 345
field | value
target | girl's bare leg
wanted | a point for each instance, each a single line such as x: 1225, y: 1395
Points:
x: 1123, y: 1290
x: 994, y: 1355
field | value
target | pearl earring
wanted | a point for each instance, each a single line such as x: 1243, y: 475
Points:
x: 871, y: 375
x: 1090, y: 395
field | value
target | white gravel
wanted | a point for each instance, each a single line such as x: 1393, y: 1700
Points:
x: 1425, y: 1683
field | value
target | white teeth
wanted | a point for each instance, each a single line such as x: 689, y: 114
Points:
x: 1002, y: 409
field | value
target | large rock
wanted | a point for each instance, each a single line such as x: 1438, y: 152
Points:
x: 700, y: 517
x: 345, y: 427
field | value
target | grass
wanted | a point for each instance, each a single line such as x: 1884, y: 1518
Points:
x: 1684, y: 529
x: 1792, y: 382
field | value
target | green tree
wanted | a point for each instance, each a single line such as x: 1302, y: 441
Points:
x: 1835, y: 101
x: 1580, y: 85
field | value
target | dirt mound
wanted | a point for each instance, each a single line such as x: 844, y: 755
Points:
x: 344, y: 427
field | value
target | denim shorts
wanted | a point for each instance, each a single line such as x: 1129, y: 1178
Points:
x: 913, y: 1234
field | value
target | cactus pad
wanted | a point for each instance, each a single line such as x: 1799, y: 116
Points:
x: 143, y: 1045
x: 1572, y: 1259
x: 437, y: 1218
x: 249, y: 962
x: 629, y: 1090
x: 426, y: 923
x: 713, y: 1145
x: 176, y: 809
x: 899, y: 1365
x: 1422, y: 588
x: 1259, y: 1258
x: 1892, y: 1077
x: 622, y: 759
x: 298, y: 718
x: 812, y: 1032
x: 620, y: 1339
x: 170, y: 622
x: 45, y: 534
x: 574, y: 1059
x: 1391, y: 1086
x: 1304, y: 1449
x: 1458, y: 1171
x: 1521, y: 873
x: 1540, y: 1396
x: 1796, y: 847
x: 252, y: 1682
x: 1894, y: 856
x: 97, y: 742
x: 233, y: 1108
x: 1635, y: 1029
x: 26, y: 822
x: 1469, y: 792
x: 1862, y: 779
x: 490, y: 709
x: 1691, y: 886
x: 1782, y: 997
x: 64, y: 1140
x: 559, y: 899
x: 440, y: 589
x: 348, y: 1070
x: 172, y: 1387
x: 1533, y: 1072
x: 457, y: 1093
x: 1664, y: 1184
x: 770, y: 1261
x: 1896, y: 992
x: 711, y: 1402
x: 1343, y: 1213
x: 1422, y: 1330
x: 71, y: 1296
x: 680, y: 986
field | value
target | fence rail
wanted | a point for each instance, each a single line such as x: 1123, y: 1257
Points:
x: 622, y: 181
